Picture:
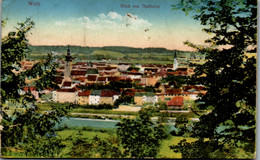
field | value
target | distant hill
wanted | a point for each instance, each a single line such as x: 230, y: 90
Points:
x: 88, y: 50
x: 121, y: 53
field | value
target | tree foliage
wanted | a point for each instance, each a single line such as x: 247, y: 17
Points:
x: 95, y: 148
x: 176, y: 81
x: 228, y: 73
x: 124, y: 99
x: 48, y: 147
x: 27, y: 122
x: 141, y: 137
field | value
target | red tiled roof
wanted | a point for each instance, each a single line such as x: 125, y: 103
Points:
x: 198, y: 88
x: 176, y: 101
x: 66, y: 83
x: 178, y: 73
x: 81, y: 79
x: 134, y: 71
x: 147, y: 65
x: 67, y: 90
x: 84, y: 93
x: 163, y: 72
x: 173, y: 91
x: 87, y: 84
x: 113, y: 78
x: 101, y: 79
x: 124, y: 78
x: 108, y: 93
x: 77, y: 72
x: 92, y: 78
x: 128, y: 93
x: 109, y: 68
x: 32, y: 88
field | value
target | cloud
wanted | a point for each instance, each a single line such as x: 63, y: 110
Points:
x: 111, y: 20
x: 114, y: 15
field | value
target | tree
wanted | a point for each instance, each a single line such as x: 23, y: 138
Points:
x: 27, y: 123
x: 141, y: 137
x: 123, y: 99
x: 95, y: 148
x: 182, y: 124
x: 228, y: 73
x: 176, y: 81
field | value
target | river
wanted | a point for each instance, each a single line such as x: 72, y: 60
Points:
x: 95, y: 123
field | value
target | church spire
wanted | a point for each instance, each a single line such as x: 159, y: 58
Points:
x: 68, y: 57
x: 68, y: 51
x: 175, y: 55
x: 175, y: 62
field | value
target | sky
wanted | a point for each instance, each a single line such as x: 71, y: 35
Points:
x: 98, y: 23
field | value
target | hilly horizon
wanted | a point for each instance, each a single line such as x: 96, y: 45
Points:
x: 122, y: 49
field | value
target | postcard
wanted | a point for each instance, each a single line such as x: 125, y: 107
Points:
x: 128, y: 79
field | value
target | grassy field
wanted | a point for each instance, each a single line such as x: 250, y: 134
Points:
x: 164, y: 152
x: 67, y: 135
x: 73, y: 133
x: 108, y: 54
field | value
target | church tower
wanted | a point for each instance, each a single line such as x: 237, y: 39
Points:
x: 175, y: 62
x: 68, y: 65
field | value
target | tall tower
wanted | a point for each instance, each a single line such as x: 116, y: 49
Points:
x: 68, y: 65
x: 175, y: 62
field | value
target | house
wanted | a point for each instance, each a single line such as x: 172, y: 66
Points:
x: 134, y: 74
x: 78, y: 73
x: 112, y: 78
x: 32, y: 90
x: 149, y: 81
x: 94, y: 97
x: 26, y: 65
x: 66, y: 84
x: 170, y: 93
x: 83, y: 97
x: 173, y: 92
x: 175, y: 103
x: 178, y: 72
x: 123, y: 66
x: 80, y: 80
x: 153, y: 70
x: 108, y: 97
x: 192, y: 92
x: 91, y: 79
x: 146, y: 97
x: 102, y: 80
x: 65, y: 95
